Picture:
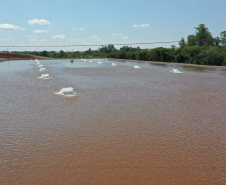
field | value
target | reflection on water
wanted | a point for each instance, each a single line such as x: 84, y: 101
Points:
x: 126, y: 126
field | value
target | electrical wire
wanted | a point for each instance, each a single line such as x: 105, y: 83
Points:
x: 76, y: 45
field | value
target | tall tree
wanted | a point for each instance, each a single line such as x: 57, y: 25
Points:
x: 191, y: 40
x: 182, y: 43
x: 108, y: 49
x: 203, y: 36
x: 104, y: 49
x: 44, y: 53
x: 111, y: 48
x: 223, y: 38
x: 89, y: 51
x: 173, y: 47
x: 62, y: 54
x: 216, y: 41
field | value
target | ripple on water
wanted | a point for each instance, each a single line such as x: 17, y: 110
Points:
x: 126, y: 126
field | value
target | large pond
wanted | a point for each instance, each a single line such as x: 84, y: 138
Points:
x: 125, y: 126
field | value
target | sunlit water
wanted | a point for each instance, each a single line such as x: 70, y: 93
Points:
x: 125, y: 126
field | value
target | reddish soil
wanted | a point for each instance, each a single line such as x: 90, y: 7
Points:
x: 17, y: 56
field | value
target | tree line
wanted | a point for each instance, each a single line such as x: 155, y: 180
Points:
x: 199, y: 48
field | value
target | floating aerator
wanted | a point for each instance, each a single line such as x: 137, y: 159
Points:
x: 175, y: 71
x: 45, y: 76
x: 42, y: 69
x: 136, y: 67
x: 68, y: 91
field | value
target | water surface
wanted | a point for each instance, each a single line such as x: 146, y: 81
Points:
x: 126, y: 126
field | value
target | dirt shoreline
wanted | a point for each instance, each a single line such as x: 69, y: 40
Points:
x: 138, y: 61
x: 17, y: 56
x: 168, y: 63
x: 10, y: 59
x: 3, y: 59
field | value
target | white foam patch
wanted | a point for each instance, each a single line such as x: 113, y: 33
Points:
x: 175, y: 71
x: 45, y: 76
x: 84, y: 60
x: 41, y: 66
x: 113, y: 64
x: 99, y: 62
x: 136, y: 67
x: 68, y: 91
x: 90, y: 61
x: 42, y: 69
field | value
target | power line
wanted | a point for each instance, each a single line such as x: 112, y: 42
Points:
x: 76, y: 45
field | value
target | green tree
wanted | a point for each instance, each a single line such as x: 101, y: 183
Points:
x: 62, y: 54
x: 125, y: 48
x: 44, y: 53
x: 107, y: 49
x: 104, y: 49
x: 89, y: 51
x: 182, y: 43
x: 203, y: 36
x: 223, y: 38
x: 211, y: 57
x: 111, y: 48
x: 191, y: 40
x: 142, y: 55
x: 173, y: 47
x: 217, y: 41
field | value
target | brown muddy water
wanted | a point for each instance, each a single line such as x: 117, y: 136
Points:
x: 126, y: 126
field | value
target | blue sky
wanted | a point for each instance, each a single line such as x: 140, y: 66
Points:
x: 70, y: 22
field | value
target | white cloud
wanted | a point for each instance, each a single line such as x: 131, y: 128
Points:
x: 119, y: 36
x: 32, y: 37
x: 79, y: 29
x: 40, y: 31
x: 59, y: 36
x: 141, y: 25
x: 33, y: 40
x: 99, y: 40
x: 95, y: 37
x: 38, y: 22
x: 37, y: 40
x: 10, y: 27
x: 125, y: 38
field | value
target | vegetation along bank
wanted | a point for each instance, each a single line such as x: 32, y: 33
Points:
x: 199, y: 48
